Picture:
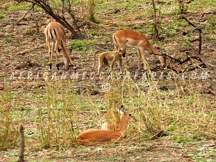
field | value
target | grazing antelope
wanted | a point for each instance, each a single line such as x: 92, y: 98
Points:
x: 97, y: 136
x: 130, y: 38
x: 55, y: 36
x: 113, y: 56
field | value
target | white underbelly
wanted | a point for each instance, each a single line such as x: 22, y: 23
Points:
x: 131, y: 45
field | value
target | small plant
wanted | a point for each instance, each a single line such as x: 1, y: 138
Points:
x: 30, y: 31
x: 2, y: 16
x: 187, y: 43
x: 93, y: 32
x: 8, y: 40
x: 182, y: 6
x: 211, y: 20
x: 81, y: 45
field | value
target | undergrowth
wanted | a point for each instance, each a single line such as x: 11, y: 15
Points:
x: 60, y: 114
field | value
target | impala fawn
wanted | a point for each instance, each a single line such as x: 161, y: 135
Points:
x: 112, y: 56
x: 97, y: 136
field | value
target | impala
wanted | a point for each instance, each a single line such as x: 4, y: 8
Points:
x: 111, y: 120
x: 97, y: 136
x: 55, y: 36
x: 112, y: 56
x: 130, y: 38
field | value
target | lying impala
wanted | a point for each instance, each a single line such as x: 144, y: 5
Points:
x: 55, y: 36
x: 111, y: 120
x: 96, y: 136
x: 130, y: 38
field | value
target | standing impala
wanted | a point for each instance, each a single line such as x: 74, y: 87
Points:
x: 130, y: 38
x: 55, y: 36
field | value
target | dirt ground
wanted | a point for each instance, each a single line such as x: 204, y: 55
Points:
x: 23, y: 51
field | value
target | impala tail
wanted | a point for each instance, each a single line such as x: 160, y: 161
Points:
x: 55, y: 36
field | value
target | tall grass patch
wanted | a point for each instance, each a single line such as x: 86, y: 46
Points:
x: 53, y: 117
x: 56, y: 112
x: 9, y: 131
x: 180, y: 112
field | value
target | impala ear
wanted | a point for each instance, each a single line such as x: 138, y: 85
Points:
x: 122, y: 110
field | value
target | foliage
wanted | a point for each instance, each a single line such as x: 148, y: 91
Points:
x: 81, y: 45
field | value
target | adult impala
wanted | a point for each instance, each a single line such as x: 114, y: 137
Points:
x: 130, y: 38
x: 55, y: 36
x: 94, y: 136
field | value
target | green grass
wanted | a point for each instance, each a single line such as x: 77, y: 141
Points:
x: 81, y: 45
x: 8, y: 40
x: 17, y: 7
x: 93, y: 32
x: 2, y: 16
x: 30, y: 31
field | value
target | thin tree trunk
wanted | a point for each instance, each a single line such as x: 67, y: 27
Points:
x: 22, y: 145
x: 156, y: 35
x: 35, y: 19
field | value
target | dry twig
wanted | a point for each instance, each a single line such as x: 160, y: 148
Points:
x: 22, y: 145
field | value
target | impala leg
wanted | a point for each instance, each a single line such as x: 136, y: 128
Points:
x: 51, y: 55
x: 120, y: 65
x: 139, y: 58
x: 100, y: 68
x: 112, y: 63
x: 143, y: 57
x: 49, y: 51
x: 56, y: 53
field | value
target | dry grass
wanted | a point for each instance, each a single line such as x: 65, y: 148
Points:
x: 176, y: 111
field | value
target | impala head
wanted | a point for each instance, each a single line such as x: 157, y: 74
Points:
x: 124, y: 114
x: 162, y: 58
x: 122, y: 51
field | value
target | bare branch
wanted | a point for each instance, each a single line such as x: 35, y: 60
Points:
x: 179, y: 62
x: 35, y: 19
x: 61, y: 19
x: 156, y: 35
x: 200, y: 34
x: 26, y: 13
